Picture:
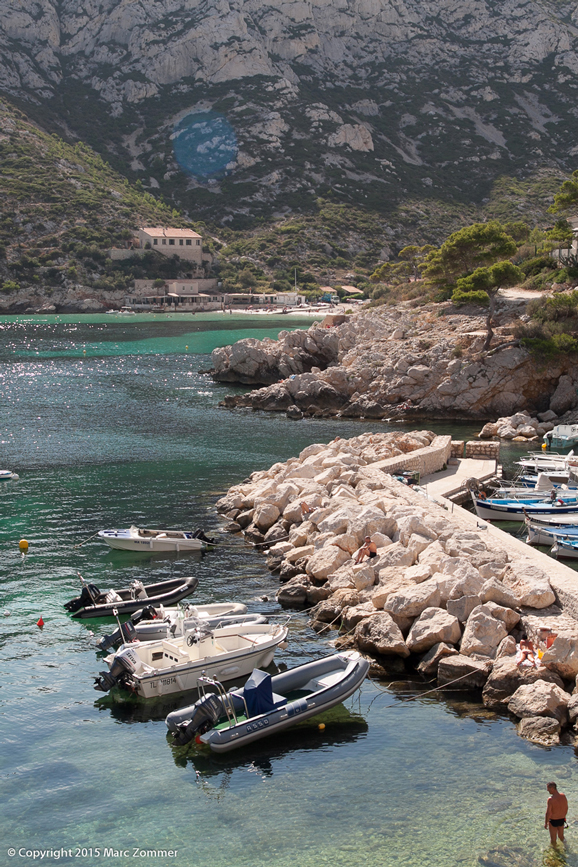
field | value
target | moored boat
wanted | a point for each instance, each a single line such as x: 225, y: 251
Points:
x: 547, y: 533
x: 94, y: 603
x: 565, y: 549
x: 155, y: 623
x: 267, y: 705
x: 562, y: 436
x: 5, y: 475
x: 512, y: 509
x: 154, y: 668
x: 139, y: 539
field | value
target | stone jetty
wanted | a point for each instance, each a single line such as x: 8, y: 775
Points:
x: 391, y: 362
x: 442, y: 596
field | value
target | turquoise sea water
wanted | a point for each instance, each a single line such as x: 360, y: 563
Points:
x: 131, y: 432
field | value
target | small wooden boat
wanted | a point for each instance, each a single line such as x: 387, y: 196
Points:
x: 154, y: 623
x: 5, y: 475
x: 565, y: 549
x: 266, y: 705
x: 516, y: 509
x: 546, y: 533
x: 93, y: 603
x: 137, y: 539
x: 156, y: 668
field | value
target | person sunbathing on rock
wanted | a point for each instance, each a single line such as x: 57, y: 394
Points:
x: 527, y: 653
x: 368, y: 549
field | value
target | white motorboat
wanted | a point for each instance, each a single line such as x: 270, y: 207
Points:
x: 155, y: 668
x: 6, y: 475
x: 266, y: 705
x: 156, y: 622
x: 562, y: 436
x: 138, y: 539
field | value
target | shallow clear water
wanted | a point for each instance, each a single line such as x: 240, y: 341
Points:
x: 131, y: 432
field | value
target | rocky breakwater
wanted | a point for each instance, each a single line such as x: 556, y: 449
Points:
x: 438, y: 597
x: 520, y: 427
x: 386, y: 362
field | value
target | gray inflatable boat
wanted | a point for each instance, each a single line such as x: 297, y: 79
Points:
x: 266, y: 705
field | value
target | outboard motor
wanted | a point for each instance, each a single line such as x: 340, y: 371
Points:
x: 89, y: 596
x: 125, y: 663
x: 125, y: 636
x: 200, y: 534
x: 206, y: 712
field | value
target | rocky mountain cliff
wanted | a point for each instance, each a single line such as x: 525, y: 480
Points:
x: 263, y: 106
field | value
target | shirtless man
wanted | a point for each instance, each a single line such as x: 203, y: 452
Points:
x: 556, y: 813
x: 369, y: 549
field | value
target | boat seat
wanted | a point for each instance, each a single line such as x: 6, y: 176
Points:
x: 324, y: 682
x: 174, y: 650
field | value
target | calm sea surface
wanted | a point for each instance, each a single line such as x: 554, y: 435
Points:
x: 111, y: 422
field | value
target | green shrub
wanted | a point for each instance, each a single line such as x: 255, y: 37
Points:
x: 9, y: 286
x: 460, y: 298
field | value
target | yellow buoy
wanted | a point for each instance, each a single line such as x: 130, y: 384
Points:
x: 186, y: 347
x: 84, y: 351
x: 544, y: 446
x: 23, y: 545
x: 321, y: 727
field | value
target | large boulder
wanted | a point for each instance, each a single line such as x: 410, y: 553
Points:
x: 540, y: 699
x: 494, y: 591
x: 462, y: 607
x: 392, y: 582
x: 434, y: 625
x: 411, y: 601
x: 293, y: 594
x: 564, y: 398
x: 265, y: 516
x: 428, y: 665
x: 432, y: 556
x: 507, y: 677
x: 540, y: 730
x: 529, y: 583
x: 483, y: 633
x: 326, y: 561
x: 380, y: 635
x: 562, y: 656
x: 396, y: 555
x: 463, y: 672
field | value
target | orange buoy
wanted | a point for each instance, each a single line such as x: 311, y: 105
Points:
x: 23, y: 545
x: 321, y: 727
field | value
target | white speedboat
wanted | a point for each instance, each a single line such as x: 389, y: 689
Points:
x: 5, y: 475
x: 154, y: 668
x: 138, y: 539
x: 154, y: 623
x: 266, y: 705
x: 562, y: 436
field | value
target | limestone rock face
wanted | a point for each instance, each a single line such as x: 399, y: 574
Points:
x: 483, y: 633
x: 469, y: 673
x: 434, y: 625
x: 540, y: 699
x: 530, y: 584
x: 413, y: 600
x: 540, y: 730
x: 326, y: 561
x: 506, y: 677
x: 430, y: 662
x: 379, y: 634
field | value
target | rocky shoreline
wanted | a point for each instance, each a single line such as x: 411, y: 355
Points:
x: 438, y: 598
x: 398, y: 362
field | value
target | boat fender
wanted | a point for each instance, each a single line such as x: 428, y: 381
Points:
x: 205, y: 714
